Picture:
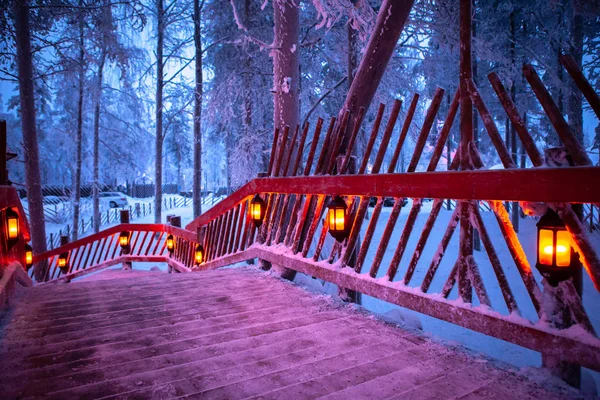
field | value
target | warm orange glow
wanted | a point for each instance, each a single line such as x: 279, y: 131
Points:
x: 124, y: 239
x: 28, y: 256
x: 13, y: 227
x: 337, y: 219
x: 62, y: 261
x: 563, y: 249
x: 546, y: 246
x: 256, y: 211
x: 549, y: 248
x: 170, y: 243
x: 199, y: 255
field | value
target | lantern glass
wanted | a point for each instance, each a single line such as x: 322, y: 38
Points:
x: 257, y: 210
x: 336, y: 217
x: 199, y: 255
x: 546, y: 246
x: 12, y: 224
x: 170, y: 243
x: 563, y: 248
x: 28, y: 256
x: 124, y: 239
x: 62, y: 261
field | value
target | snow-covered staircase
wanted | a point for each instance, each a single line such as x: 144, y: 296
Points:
x: 229, y: 333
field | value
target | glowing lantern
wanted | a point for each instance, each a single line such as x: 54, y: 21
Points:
x: 199, y: 254
x: 556, y: 256
x: 170, y: 244
x: 63, y: 262
x: 257, y: 210
x: 12, y: 226
x: 28, y: 256
x: 124, y: 239
x: 337, y: 219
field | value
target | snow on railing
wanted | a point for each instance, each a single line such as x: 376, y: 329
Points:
x: 147, y: 243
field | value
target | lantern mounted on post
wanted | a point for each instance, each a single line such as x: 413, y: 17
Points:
x: 199, y: 254
x: 338, y: 219
x: 124, y: 240
x: 257, y: 210
x: 11, y: 226
x: 28, y: 256
x: 557, y: 259
x: 63, y: 262
x: 170, y: 244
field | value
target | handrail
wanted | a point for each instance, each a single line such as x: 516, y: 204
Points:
x: 102, y: 250
x: 186, y: 234
x: 550, y: 185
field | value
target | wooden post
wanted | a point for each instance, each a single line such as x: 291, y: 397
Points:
x: 559, y: 316
x: 126, y: 250
x: 466, y: 136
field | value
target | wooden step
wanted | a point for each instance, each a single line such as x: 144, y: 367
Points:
x: 227, y: 334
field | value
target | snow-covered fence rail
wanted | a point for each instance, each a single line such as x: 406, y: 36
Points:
x: 229, y: 236
x: 448, y: 286
x: 506, y: 300
x: 147, y: 243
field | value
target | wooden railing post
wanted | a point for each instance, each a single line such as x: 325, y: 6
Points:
x: 174, y: 220
x: 263, y: 264
x: 126, y: 250
x: 559, y: 316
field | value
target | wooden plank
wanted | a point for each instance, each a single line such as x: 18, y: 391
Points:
x: 238, y: 333
x: 587, y: 353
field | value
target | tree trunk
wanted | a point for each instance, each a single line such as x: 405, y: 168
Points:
x: 96, y: 178
x: 476, y: 238
x: 197, y: 185
x: 28, y: 125
x: 391, y: 19
x: 575, y: 110
x: 513, y: 132
x: 159, y: 112
x: 286, y: 80
x: 247, y: 78
x: 286, y: 65
x: 76, y: 195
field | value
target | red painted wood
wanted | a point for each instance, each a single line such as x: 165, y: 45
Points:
x: 387, y: 134
x: 273, y: 152
x: 403, y: 132
x: 513, y: 113
x: 300, y: 152
x: 574, y: 148
x: 372, y: 137
x: 582, y: 83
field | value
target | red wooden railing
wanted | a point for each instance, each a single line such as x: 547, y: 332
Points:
x: 294, y: 236
x: 102, y: 250
x: 12, y: 257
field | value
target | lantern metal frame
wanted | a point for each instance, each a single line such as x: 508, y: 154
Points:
x: 28, y: 256
x: 170, y: 239
x: 554, y: 273
x: 125, y: 234
x: 257, y: 200
x: 199, y: 249
x: 10, y: 213
x: 64, y: 268
x: 336, y: 204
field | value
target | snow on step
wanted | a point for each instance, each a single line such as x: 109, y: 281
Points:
x: 226, y: 334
